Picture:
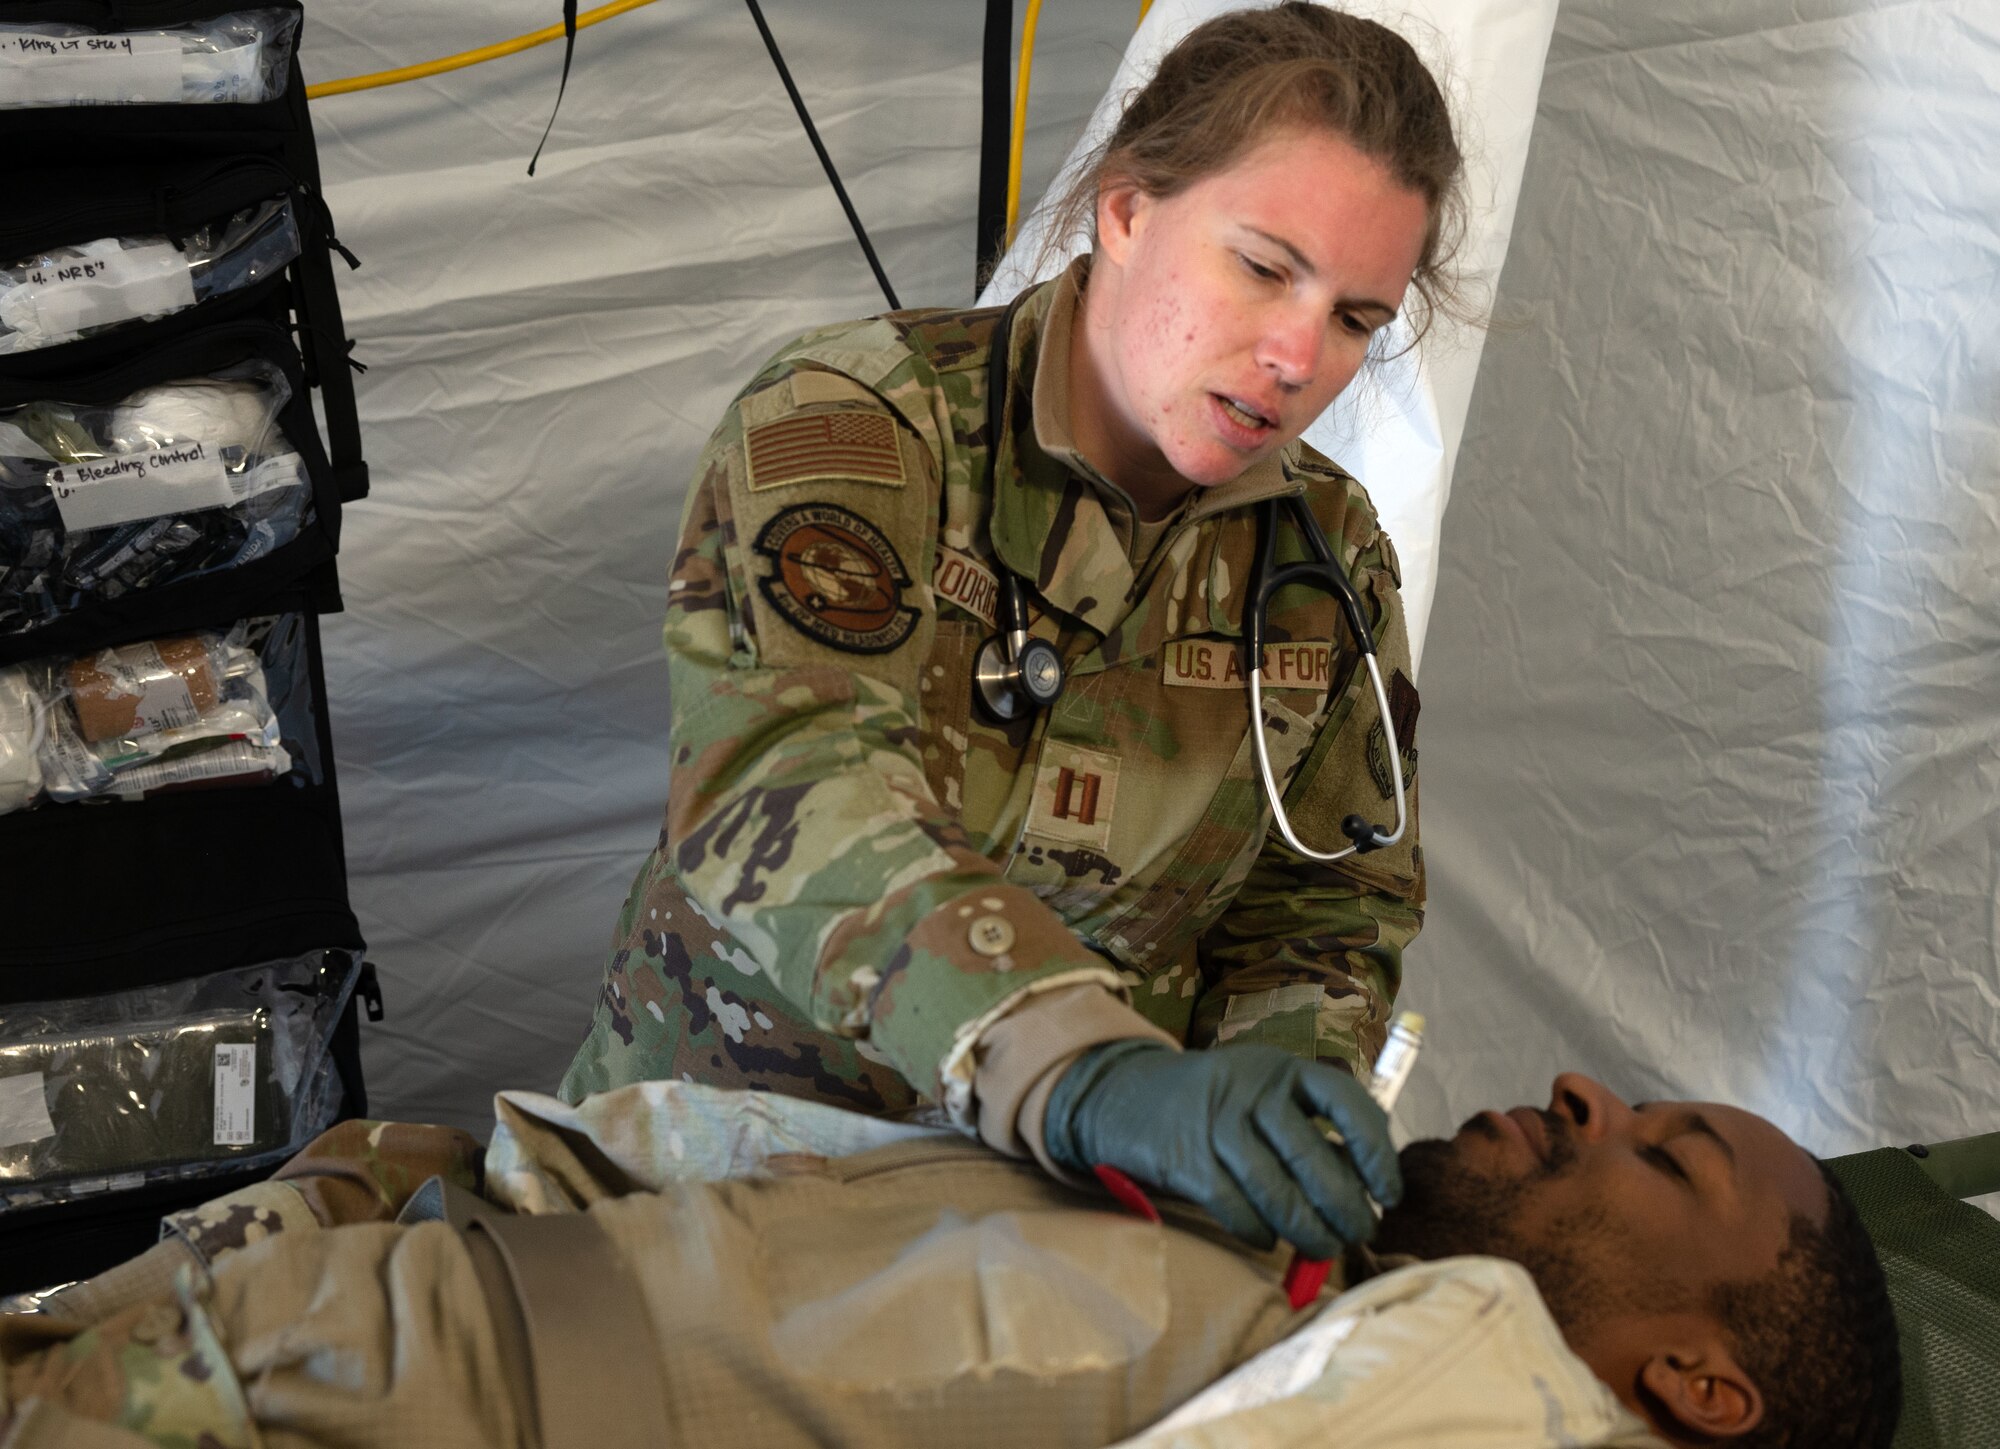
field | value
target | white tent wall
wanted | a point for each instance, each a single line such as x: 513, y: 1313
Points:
x: 1711, y: 724
x: 546, y: 359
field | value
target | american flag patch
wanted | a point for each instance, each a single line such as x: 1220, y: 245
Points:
x: 842, y: 445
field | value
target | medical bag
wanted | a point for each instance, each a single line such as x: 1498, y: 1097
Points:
x: 180, y: 968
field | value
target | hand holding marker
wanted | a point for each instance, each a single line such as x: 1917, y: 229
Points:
x: 1306, y: 1276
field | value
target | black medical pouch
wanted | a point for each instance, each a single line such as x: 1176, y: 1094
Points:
x: 181, y: 970
x: 268, y: 217
x: 61, y: 589
x: 157, y: 149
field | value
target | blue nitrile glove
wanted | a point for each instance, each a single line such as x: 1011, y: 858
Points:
x: 1231, y: 1128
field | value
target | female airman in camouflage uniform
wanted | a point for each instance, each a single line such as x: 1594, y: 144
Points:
x: 868, y: 891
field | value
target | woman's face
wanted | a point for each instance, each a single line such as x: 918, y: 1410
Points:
x: 1222, y: 320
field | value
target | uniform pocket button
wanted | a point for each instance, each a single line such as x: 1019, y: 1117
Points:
x: 991, y: 935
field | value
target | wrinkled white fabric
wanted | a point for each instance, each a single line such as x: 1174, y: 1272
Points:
x: 1711, y: 718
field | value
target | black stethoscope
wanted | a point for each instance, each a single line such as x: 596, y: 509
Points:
x: 1016, y: 674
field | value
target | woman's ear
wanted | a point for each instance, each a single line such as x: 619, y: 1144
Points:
x: 1702, y: 1391
x: 1121, y: 208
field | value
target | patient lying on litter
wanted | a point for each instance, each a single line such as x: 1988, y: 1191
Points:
x: 669, y: 1264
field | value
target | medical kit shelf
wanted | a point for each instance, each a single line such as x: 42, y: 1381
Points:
x: 185, y: 959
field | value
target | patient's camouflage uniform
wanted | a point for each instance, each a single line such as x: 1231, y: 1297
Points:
x: 687, y: 1267
x: 858, y: 872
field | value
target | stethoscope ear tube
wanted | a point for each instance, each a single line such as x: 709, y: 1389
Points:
x: 1266, y: 581
x: 1015, y: 674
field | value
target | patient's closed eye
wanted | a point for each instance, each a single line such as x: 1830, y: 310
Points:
x: 1664, y: 1160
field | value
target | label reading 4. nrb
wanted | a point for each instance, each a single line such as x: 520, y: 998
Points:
x: 235, y: 1095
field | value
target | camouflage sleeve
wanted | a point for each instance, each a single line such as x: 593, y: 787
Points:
x: 1309, y: 955
x: 800, y: 619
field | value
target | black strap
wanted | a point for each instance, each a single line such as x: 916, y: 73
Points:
x: 996, y: 126
x: 826, y: 161
x: 569, y: 54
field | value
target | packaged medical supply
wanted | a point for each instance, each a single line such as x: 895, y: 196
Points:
x: 61, y: 293
x: 169, y: 482
x: 237, y: 58
x: 21, y: 727
x: 177, y: 712
x: 192, y: 1078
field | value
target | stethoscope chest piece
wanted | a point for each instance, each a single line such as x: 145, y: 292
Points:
x: 1009, y: 687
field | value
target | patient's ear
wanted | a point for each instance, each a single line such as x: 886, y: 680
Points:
x: 1699, y: 1388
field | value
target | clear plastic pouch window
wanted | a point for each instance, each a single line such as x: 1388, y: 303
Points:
x: 240, y: 58
x: 211, y: 709
x: 171, y: 482
x: 62, y: 293
x: 200, y: 1077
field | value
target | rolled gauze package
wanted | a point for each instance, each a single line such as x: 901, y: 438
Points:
x: 224, y: 414
x: 22, y: 724
x: 141, y: 689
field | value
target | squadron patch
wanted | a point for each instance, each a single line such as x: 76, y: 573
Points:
x: 1403, y: 705
x: 836, y: 579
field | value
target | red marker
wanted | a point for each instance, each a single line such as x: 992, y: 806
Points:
x: 1306, y: 1276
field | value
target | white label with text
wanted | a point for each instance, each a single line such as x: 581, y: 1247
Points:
x: 68, y: 70
x: 235, y: 1095
x: 125, y: 487
x: 102, y: 283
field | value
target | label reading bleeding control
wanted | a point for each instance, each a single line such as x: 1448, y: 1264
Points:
x: 69, y: 70
x: 126, y: 487
x: 235, y: 1095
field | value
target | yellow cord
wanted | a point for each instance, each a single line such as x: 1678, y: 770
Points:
x: 1144, y: 6
x: 467, y: 57
x: 1019, y: 139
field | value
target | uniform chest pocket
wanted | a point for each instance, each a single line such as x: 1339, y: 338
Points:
x: 1145, y: 804
x: 944, y: 694
x: 973, y: 766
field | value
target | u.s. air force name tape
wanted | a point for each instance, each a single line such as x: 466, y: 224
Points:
x: 1218, y: 664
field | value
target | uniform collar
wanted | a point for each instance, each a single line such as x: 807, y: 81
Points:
x: 1056, y: 521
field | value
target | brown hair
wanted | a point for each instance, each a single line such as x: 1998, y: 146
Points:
x: 1234, y: 80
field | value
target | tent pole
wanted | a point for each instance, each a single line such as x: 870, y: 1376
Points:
x: 996, y: 121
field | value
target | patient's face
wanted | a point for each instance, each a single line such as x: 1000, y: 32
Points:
x: 1612, y: 1208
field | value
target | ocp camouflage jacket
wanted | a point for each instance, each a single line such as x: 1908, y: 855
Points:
x: 859, y: 873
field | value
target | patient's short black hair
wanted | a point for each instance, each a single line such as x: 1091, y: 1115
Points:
x: 1819, y: 1337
